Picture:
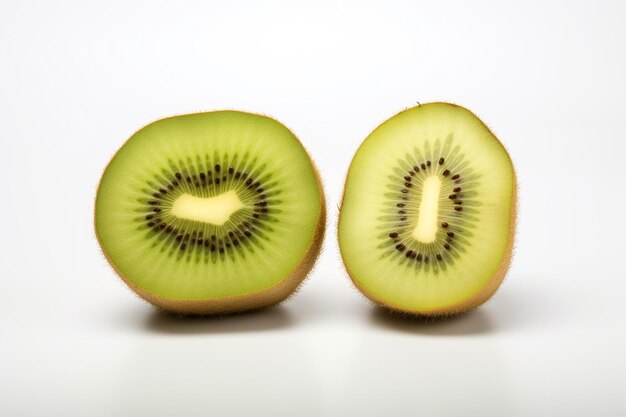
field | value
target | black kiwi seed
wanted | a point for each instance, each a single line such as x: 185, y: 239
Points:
x: 439, y: 257
x: 446, y: 172
x: 447, y: 246
x: 457, y: 190
x: 441, y: 161
x: 217, y: 167
x: 393, y: 235
x: 183, y: 246
x: 428, y: 163
x: 458, y: 208
x: 410, y: 254
x: 407, y: 177
x: 178, y: 175
x: 423, y: 165
x: 400, y: 247
x: 400, y: 205
x: 444, y: 225
x: 416, y: 169
x: 231, y: 170
x: 426, y: 258
x: 419, y: 257
x: 237, y: 175
x: 456, y: 177
x: 404, y: 191
x: 452, y: 196
x: 451, y: 234
x: 149, y: 216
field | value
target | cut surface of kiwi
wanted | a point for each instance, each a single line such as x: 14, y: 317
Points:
x: 211, y: 212
x: 427, y: 219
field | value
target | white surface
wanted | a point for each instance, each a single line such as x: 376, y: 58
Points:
x: 78, y: 78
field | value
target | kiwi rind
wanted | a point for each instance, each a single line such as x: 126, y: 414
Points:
x: 478, y: 298
x: 240, y: 303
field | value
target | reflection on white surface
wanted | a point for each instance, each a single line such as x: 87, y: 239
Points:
x: 224, y: 376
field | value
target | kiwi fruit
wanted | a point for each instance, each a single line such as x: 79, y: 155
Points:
x: 211, y: 213
x: 427, y: 220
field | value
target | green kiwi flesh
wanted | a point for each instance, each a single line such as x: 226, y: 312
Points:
x: 427, y: 219
x: 211, y: 213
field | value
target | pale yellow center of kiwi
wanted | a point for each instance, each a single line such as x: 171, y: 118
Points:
x: 214, y: 210
x: 426, y: 229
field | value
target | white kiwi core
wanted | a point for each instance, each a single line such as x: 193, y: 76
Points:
x: 214, y: 210
x: 426, y: 229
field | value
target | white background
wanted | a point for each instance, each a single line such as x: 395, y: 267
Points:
x: 78, y: 78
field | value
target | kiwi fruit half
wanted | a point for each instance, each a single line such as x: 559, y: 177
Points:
x: 427, y: 219
x: 210, y: 213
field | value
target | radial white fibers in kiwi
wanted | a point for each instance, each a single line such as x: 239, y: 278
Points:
x: 428, y: 215
x: 211, y: 212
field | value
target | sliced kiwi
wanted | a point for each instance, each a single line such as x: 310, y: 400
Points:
x: 428, y: 214
x: 211, y: 212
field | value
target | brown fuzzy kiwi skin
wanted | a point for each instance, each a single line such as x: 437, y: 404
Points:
x: 245, y: 302
x: 478, y: 298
